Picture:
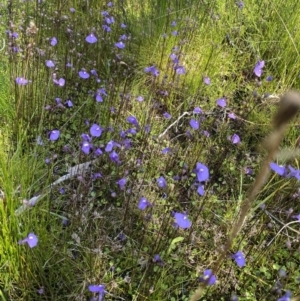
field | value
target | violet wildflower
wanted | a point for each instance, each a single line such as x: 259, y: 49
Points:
x: 98, y: 289
x: 109, y: 146
x: 114, y: 157
x: 297, y: 217
x: 180, y: 70
x: 239, y: 258
x: 269, y: 78
x: 200, y: 190
x: 143, y: 203
x: 95, y: 130
x: 120, y: 45
x: 235, y: 139
x: 86, y: 147
x: 21, y: 81
x: 194, y: 124
x: 234, y: 298
x: 72, y: 9
x: 132, y: 120
x: 279, y: 169
x: 69, y: 103
x: 140, y: 98
x: 173, y: 23
x: 258, y: 68
x: 53, y: 41
x: 83, y: 74
x: 167, y: 115
x: 182, y: 220
x: 174, y: 58
x: 161, y: 182
x: 31, y: 240
x: 221, y: 102
x: 166, y: 150
x: 91, y: 38
x: 123, y: 25
x: 54, y: 135
x: 209, y: 277
x: 206, y: 133
x: 197, y: 110
x: 152, y: 70
x: 122, y: 182
x: 286, y: 297
x: 61, y: 82
x: 50, y: 64
x: 206, y: 80
x: 240, y: 4
x: 202, y: 172
x: 231, y: 115
x: 157, y: 259
x: 98, y: 152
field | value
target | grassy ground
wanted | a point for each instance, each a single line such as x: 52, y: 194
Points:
x: 134, y: 121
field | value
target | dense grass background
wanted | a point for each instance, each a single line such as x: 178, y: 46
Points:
x: 89, y: 227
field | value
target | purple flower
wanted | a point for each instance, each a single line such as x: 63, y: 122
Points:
x: 61, y: 82
x: 173, y: 23
x: 286, y: 297
x: 221, y: 102
x: 120, y: 45
x: 21, y: 81
x: 258, y: 68
x: 91, y: 38
x: 180, y: 70
x: 132, y: 120
x: 99, y: 289
x: 161, y: 182
x: 109, y: 146
x: 200, y: 190
x: 269, y: 78
x: 235, y: 139
x: 140, y: 98
x: 197, y: 110
x: 182, y: 220
x: 209, y: 276
x: 152, y: 70
x: 114, y: 157
x: 206, y: 80
x: 231, y: 115
x: 54, y: 135
x: 69, y: 103
x: 95, y: 130
x: 143, y: 203
x: 239, y: 259
x: 297, y: 217
x: 86, y: 147
x: 122, y: 182
x: 31, y: 240
x: 83, y: 74
x: 167, y: 115
x: 53, y: 41
x: 166, y: 150
x: 194, y: 124
x: 202, y: 172
x: 240, y: 4
x: 123, y: 25
x: 50, y: 64
x: 157, y: 259
x: 280, y: 170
